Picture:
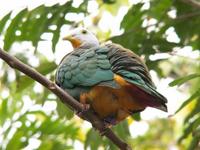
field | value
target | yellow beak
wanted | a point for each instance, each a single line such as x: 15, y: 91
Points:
x: 75, y: 42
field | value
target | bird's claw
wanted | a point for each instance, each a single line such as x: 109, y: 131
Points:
x: 107, y: 126
x: 103, y: 131
x: 86, y: 107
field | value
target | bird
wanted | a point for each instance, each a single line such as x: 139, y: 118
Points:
x: 107, y: 78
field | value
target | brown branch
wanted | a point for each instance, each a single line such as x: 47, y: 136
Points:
x: 64, y: 96
x: 188, y: 15
x: 193, y: 3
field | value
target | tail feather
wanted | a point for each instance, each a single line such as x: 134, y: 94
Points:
x: 162, y: 107
x: 155, y: 100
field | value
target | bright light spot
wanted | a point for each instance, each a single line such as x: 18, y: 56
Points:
x: 53, y: 27
x: 38, y: 88
x: 23, y: 139
x: 16, y: 116
x: 49, y: 15
x: 47, y: 36
x: 17, y: 124
x: 74, y: 17
x: 1, y: 140
x: 5, y: 93
x: 44, y: 47
x: 51, y: 96
x: 78, y: 145
x: 11, y: 75
x: 24, y: 47
x: 33, y: 143
x: 173, y: 147
x: 187, y: 51
x: 27, y: 103
x: 159, y: 56
x: 175, y: 98
x: 31, y: 117
x: 138, y: 128
x: 172, y: 13
x: 6, y: 125
x: 172, y: 36
x: 33, y: 61
x: 18, y: 33
x: 104, y: 24
x: 62, y: 48
x: 49, y: 106
x: 37, y: 135
x: 117, y: 20
x: 37, y: 16
x: 77, y: 3
x: 152, y: 113
x: 112, y: 23
x: 92, y: 6
x: 27, y: 123
x: 69, y: 141
x: 149, y: 24
x: 11, y: 133
x: 86, y: 125
x: 133, y: 2
x: 146, y: 6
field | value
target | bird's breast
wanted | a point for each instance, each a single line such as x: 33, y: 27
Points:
x: 107, y: 101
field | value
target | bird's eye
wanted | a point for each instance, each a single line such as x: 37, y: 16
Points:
x: 84, y: 31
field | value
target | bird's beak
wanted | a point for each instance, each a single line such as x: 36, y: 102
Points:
x: 75, y: 42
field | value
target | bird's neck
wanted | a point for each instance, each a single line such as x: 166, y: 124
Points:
x: 88, y: 45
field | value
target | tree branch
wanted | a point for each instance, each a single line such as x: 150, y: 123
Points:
x: 188, y: 15
x: 193, y: 3
x: 64, y: 97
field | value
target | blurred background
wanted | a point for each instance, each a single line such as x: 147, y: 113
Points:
x: 166, y: 34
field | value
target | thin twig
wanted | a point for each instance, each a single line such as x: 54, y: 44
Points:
x: 188, y: 15
x: 64, y: 96
x: 193, y: 3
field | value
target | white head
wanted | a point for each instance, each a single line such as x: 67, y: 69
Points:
x: 82, y: 38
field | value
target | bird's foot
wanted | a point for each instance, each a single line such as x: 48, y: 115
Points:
x: 103, y: 131
x: 86, y: 107
x: 108, y: 123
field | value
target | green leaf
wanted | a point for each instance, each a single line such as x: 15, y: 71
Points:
x: 14, y: 25
x: 191, y: 127
x: 184, y: 79
x: 3, y: 22
x: 136, y: 116
x: 186, y: 36
x: 195, y: 95
x: 93, y: 140
x: 122, y: 130
x: 44, y: 68
x: 15, y: 143
x: 63, y: 110
x: 195, y: 111
x: 3, y: 110
x: 194, y: 145
x: 133, y: 19
x: 31, y: 24
x: 109, y: 1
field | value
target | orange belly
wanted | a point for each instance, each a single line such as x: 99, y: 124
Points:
x: 107, y: 101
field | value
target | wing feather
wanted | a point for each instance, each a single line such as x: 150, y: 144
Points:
x: 129, y: 66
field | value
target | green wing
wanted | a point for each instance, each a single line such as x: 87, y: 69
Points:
x: 85, y: 68
x: 129, y: 66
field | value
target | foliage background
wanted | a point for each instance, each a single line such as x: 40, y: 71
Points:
x: 165, y: 33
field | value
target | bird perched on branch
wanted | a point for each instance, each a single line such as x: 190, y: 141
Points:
x: 111, y: 80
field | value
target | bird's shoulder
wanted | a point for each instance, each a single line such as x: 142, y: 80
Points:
x: 85, y: 67
x: 129, y: 65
